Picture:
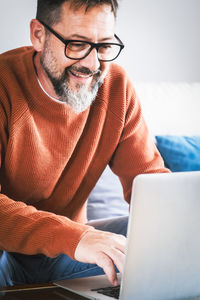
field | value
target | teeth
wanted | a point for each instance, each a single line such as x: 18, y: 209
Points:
x: 80, y: 75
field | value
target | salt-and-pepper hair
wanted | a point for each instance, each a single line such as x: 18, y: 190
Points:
x: 49, y: 11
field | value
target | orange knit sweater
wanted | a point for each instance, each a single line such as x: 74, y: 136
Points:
x: 51, y: 158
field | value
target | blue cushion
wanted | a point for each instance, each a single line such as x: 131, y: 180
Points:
x: 180, y: 153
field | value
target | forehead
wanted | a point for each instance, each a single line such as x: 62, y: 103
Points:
x: 96, y: 23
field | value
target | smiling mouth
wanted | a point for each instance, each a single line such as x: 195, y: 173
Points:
x: 80, y: 75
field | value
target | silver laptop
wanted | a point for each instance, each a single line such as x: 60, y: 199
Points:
x: 163, y: 246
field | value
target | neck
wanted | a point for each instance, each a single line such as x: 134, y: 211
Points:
x: 43, y: 78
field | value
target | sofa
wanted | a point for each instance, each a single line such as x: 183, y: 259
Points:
x: 171, y: 111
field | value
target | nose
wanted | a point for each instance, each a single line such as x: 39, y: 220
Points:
x: 91, y: 61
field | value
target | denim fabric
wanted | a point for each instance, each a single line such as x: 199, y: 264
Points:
x: 17, y: 268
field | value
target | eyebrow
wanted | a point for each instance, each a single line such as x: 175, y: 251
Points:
x: 82, y: 37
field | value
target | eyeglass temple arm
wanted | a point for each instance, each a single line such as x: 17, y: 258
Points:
x: 52, y: 31
x: 122, y: 44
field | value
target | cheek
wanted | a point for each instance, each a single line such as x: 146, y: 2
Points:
x: 62, y: 61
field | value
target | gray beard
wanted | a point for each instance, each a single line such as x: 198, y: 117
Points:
x: 81, y: 99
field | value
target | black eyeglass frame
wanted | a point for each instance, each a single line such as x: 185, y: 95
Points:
x: 92, y: 45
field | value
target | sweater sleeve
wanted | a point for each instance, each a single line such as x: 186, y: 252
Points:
x: 25, y: 229
x: 136, y: 152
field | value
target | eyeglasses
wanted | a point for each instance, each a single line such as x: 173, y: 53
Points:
x: 77, y: 49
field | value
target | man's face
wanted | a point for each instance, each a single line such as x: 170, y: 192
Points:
x: 77, y: 81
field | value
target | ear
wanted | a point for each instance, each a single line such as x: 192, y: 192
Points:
x: 37, y: 35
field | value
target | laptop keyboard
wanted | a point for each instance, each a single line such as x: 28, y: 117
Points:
x: 111, y: 291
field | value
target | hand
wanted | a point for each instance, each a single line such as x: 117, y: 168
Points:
x: 104, y: 249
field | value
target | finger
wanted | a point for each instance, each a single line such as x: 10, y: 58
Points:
x: 107, y: 265
x: 118, y: 258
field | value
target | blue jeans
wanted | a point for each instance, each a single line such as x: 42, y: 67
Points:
x: 18, y: 268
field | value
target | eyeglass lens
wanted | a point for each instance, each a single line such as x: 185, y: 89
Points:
x: 78, y: 50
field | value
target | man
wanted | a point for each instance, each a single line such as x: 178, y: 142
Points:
x: 66, y: 112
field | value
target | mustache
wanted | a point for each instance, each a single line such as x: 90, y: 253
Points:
x: 83, y: 70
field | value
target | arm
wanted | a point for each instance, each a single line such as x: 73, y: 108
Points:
x: 26, y: 230
x: 136, y: 152
x: 23, y: 228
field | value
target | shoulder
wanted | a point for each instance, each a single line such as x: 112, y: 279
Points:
x: 14, y: 59
x: 13, y: 71
x: 13, y: 53
x: 117, y: 91
x: 116, y: 72
x: 118, y: 81
x: 14, y: 67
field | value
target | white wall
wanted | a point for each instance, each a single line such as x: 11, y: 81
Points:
x: 162, y: 37
x: 15, y: 17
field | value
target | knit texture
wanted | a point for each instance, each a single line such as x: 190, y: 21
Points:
x: 51, y: 158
